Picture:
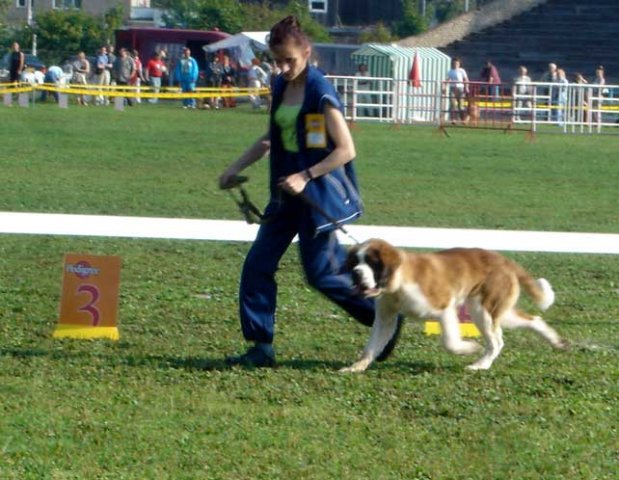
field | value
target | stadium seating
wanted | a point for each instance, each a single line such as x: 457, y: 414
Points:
x: 577, y: 35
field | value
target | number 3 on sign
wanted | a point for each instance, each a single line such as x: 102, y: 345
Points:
x: 89, y: 307
x: 89, y: 292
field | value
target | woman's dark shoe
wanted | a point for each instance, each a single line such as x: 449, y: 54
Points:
x: 257, y: 356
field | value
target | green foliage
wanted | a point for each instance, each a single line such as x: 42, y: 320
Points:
x: 445, y: 10
x: 178, y: 13
x: 227, y: 15
x: 412, y: 22
x: 61, y: 33
x: 112, y: 20
x: 313, y: 29
x: 233, y: 17
x: 4, y: 7
x: 380, y: 33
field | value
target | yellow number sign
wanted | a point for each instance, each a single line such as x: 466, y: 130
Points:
x: 467, y: 327
x: 89, y: 303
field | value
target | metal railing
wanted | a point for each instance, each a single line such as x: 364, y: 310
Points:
x: 583, y: 108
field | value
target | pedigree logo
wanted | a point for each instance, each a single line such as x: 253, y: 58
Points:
x: 82, y: 269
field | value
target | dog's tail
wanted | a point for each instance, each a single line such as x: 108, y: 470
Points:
x: 539, y: 290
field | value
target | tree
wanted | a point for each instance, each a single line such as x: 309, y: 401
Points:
x: 178, y: 13
x: 4, y: 31
x: 379, y: 34
x: 412, y: 22
x: 62, y: 33
x: 446, y: 10
x: 232, y: 16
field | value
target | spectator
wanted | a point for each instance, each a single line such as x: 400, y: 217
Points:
x: 214, y: 79
x: 53, y: 77
x: 167, y: 78
x: 490, y: 75
x: 522, y: 92
x: 550, y: 91
x: 155, y: 69
x: 551, y: 75
x: 321, y: 167
x: 257, y: 78
x: 363, y: 84
x: 102, y: 75
x: 81, y: 72
x: 138, y: 74
x: 39, y: 76
x: 124, y: 68
x: 187, y: 74
x: 598, y: 94
x: 228, y: 80
x: 111, y: 62
x: 458, y: 85
x: 581, y: 98
x: 17, y: 62
x: 561, y: 96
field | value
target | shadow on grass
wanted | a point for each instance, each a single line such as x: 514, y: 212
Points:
x: 216, y: 364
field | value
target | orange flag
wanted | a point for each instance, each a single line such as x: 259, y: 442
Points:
x: 415, y: 75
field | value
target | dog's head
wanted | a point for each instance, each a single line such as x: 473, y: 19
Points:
x: 372, y: 265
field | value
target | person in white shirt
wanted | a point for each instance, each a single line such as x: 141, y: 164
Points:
x: 458, y: 85
x: 522, y: 92
x: 256, y: 78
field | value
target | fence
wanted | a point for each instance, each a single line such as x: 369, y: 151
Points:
x: 575, y: 108
x: 27, y: 92
x: 582, y: 108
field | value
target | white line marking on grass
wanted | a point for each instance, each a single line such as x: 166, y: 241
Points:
x: 238, y: 231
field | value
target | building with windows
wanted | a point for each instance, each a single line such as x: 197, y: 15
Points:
x: 21, y: 11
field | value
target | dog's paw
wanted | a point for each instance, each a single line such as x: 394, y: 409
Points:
x: 466, y: 347
x: 355, y: 368
x: 480, y: 364
x: 562, y: 344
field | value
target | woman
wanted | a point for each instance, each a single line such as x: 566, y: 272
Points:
x: 310, y: 152
x: 81, y: 72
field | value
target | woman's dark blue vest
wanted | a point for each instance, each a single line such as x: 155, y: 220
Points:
x: 336, y: 192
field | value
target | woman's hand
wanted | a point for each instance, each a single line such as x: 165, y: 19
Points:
x: 227, y: 179
x: 294, y: 184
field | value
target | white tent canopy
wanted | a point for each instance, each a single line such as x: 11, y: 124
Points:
x: 242, y: 45
x: 257, y: 40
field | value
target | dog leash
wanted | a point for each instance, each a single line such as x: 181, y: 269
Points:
x: 252, y: 214
x: 248, y: 209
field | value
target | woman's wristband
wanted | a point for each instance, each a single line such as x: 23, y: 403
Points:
x: 308, y: 175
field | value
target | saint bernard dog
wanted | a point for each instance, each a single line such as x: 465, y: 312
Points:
x: 434, y: 285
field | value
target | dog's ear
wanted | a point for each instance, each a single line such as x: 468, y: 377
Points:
x: 351, y: 258
x: 390, y: 259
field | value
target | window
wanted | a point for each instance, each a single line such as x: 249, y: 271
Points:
x: 66, y: 4
x: 20, y: 3
x: 318, y: 6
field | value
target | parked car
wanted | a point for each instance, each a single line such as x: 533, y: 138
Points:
x: 31, y: 61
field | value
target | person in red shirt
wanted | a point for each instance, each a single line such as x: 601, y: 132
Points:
x: 490, y: 75
x: 155, y: 69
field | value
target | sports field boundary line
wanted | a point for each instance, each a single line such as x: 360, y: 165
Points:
x: 238, y: 231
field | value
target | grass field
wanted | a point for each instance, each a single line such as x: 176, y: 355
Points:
x: 161, y: 404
